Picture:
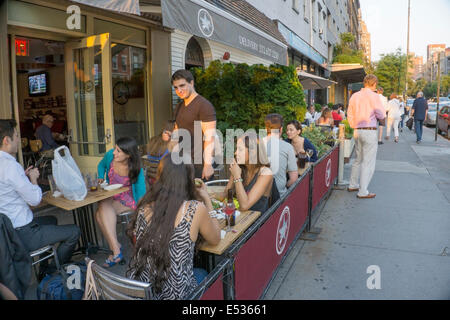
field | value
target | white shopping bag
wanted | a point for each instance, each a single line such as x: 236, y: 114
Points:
x: 67, y: 176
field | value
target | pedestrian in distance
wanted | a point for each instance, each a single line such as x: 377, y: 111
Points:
x: 419, y: 113
x: 384, y: 102
x: 394, y: 116
x: 365, y: 108
x: 403, y: 113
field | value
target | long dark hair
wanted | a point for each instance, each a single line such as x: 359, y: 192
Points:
x: 129, y: 146
x: 249, y: 140
x: 175, y: 184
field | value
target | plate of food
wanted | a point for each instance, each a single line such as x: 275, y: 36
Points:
x: 113, y: 187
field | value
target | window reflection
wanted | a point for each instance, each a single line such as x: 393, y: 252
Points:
x: 128, y: 81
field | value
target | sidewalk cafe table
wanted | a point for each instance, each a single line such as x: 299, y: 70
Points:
x: 83, y: 214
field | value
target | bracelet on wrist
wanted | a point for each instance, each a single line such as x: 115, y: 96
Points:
x: 238, y: 180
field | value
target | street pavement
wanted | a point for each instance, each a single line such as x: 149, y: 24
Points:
x: 404, y: 231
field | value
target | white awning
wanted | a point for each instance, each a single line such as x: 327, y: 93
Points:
x: 125, y: 6
x: 312, y: 82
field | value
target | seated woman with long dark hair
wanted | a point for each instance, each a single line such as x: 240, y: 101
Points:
x: 251, y: 177
x: 166, y: 228
x: 121, y: 165
x: 301, y: 145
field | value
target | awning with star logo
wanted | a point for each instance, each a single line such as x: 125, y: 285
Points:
x: 205, y: 20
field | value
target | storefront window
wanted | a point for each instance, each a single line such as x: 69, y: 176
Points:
x: 129, y: 93
x: 89, y: 101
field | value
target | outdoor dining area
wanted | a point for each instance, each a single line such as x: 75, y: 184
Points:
x: 239, y: 266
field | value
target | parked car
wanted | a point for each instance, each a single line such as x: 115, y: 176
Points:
x: 431, y: 115
x: 444, y: 120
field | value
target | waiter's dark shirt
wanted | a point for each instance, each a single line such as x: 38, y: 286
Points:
x: 200, y: 109
x: 420, y: 106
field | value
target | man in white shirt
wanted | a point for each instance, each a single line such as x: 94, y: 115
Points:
x: 18, y: 190
x: 281, y: 154
x: 384, y: 102
x: 311, y: 115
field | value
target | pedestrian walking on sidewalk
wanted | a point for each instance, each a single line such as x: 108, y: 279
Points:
x: 419, y: 113
x: 365, y: 108
x: 384, y: 102
x: 393, y: 116
x: 403, y: 113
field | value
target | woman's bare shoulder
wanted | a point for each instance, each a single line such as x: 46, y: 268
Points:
x: 265, y: 171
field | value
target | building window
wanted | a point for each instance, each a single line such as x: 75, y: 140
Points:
x: 114, y: 63
x: 124, y: 63
x: 306, y: 9
x: 313, y: 18
x: 295, y: 6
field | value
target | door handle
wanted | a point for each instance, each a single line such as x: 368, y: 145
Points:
x: 104, y: 142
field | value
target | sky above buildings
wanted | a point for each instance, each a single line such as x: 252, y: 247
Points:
x: 387, y: 22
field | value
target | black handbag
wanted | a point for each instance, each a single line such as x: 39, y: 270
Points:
x: 409, y: 123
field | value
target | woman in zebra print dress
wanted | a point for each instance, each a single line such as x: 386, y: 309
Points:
x: 166, y: 228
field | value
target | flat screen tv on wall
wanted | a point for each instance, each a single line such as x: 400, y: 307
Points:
x: 38, y: 84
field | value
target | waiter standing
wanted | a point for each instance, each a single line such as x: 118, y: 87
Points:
x: 365, y: 107
x: 195, y: 108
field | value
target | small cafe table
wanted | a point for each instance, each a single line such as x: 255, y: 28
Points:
x: 83, y: 214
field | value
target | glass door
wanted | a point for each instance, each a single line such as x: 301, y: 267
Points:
x: 89, y: 95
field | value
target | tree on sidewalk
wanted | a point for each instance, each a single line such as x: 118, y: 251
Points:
x: 390, y: 71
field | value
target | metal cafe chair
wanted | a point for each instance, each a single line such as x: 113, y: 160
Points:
x: 110, y: 286
x: 51, y: 252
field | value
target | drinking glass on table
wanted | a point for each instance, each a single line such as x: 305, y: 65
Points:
x: 94, y: 182
x: 301, y: 160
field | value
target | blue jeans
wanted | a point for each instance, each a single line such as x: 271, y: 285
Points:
x: 200, y: 274
x: 400, y: 124
x: 418, y: 124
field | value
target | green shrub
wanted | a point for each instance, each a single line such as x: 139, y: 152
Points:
x: 348, y: 129
x: 322, y: 140
x: 243, y: 95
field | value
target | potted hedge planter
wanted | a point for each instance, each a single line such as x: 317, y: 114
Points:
x: 349, y: 143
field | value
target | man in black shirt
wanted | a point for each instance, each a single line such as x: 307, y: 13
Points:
x: 419, y: 112
x: 191, y: 109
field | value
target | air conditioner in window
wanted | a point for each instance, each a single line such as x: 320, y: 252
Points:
x: 320, y: 31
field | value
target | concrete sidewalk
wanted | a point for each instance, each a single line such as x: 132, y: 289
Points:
x: 405, y: 231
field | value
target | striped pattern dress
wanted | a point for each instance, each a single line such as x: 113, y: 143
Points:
x: 181, y: 280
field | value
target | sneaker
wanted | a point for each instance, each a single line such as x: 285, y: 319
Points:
x: 380, y: 142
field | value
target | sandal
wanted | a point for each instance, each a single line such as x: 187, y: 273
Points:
x: 110, y: 263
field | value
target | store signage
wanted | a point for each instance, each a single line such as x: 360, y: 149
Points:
x: 301, y: 46
x: 22, y: 47
x: 213, y: 23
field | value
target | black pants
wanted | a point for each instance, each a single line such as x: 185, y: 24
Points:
x: 43, y: 231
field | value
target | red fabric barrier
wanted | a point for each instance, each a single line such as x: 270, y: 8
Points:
x: 215, y: 291
x: 324, y: 174
x: 258, y: 258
